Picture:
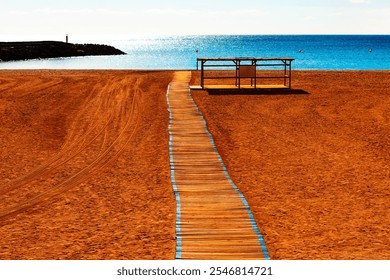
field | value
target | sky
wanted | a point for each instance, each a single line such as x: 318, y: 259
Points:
x: 197, y: 17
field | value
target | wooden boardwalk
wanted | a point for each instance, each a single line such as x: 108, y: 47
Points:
x: 213, y: 218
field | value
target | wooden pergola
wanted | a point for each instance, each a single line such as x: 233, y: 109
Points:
x: 245, y: 68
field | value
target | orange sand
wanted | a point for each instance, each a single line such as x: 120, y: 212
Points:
x: 314, y: 164
x: 84, y: 164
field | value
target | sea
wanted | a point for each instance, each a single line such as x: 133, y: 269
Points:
x: 311, y: 52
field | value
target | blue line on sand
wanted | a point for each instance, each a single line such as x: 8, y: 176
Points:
x: 175, y: 189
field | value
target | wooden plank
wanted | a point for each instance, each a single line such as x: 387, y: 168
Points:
x: 247, y: 71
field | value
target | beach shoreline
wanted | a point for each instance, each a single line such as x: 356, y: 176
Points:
x: 312, y: 166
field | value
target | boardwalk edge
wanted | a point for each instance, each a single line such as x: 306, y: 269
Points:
x: 174, y: 186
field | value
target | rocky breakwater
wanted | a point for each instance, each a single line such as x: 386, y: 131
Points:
x: 50, y: 49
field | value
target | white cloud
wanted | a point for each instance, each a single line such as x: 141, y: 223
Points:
x: 186, y: 20
x: 175, y: 12
x: 309, y: 18
x: 360, y: 1
x: 336, y: 14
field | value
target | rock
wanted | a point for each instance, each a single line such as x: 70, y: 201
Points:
x: 51, y: 49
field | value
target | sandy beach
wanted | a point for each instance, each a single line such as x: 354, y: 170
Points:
x: 313, y: 164
x: 84, y: 163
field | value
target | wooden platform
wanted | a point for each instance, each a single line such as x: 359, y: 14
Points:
x: 213, y: 218
x: 245, y: 68
x: 233, y: 87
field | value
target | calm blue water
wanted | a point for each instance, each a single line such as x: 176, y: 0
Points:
x: 331, y: 52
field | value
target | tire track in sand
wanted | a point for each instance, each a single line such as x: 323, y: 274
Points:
x: 120, y: 103
x: 73, y: 146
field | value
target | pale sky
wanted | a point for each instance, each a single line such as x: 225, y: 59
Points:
x: 198, y: 17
